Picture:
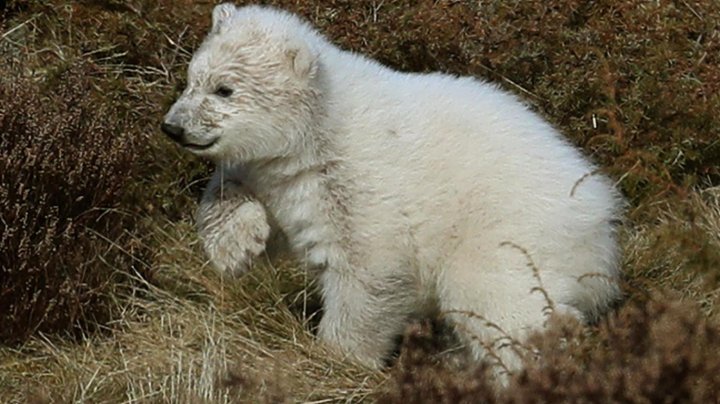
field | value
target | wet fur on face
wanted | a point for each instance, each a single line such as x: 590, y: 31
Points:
x: 251, y: 91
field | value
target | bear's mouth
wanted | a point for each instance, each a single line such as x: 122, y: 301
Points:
x: 198, y: 147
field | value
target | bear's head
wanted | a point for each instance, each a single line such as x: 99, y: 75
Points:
x: 252, y: 87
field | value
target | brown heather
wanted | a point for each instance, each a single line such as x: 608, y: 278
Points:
x: 634, y: 83
x: 662, y: 350
x: 64, y: 160
x: 658, y: 351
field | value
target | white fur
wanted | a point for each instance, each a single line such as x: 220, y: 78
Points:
x: 402, y: 191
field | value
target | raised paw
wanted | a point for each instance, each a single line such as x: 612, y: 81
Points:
x: 234, y: 230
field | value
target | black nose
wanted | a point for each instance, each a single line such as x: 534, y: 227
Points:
x: 175, y: 133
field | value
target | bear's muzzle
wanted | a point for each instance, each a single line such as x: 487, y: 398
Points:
x: 174, y: 132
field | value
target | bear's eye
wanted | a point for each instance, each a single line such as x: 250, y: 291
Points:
x: 223, y: 91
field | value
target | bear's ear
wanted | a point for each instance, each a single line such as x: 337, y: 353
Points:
x: 302, y: 60
x: 222, y: 14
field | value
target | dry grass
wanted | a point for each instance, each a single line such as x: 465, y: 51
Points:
x: 634, y: 83
x: 679, y: 250
x: 188, y: 338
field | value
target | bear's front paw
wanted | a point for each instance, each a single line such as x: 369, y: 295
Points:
x: 233, y: 234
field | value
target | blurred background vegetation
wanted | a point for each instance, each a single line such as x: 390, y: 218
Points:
x: 106, y: 296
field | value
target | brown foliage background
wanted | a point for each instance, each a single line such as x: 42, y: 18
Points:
x: 65, y: 159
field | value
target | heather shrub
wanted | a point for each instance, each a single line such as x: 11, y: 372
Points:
x: 64, y: 161
x: 659, y: 350
x: 423, y: 374
x: 662, y: 350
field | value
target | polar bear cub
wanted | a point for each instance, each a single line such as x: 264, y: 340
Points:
x: 400, y: 192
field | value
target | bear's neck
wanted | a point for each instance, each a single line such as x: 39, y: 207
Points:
x: 299, y: 189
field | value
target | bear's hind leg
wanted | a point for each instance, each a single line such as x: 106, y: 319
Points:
x: 493, y: 301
